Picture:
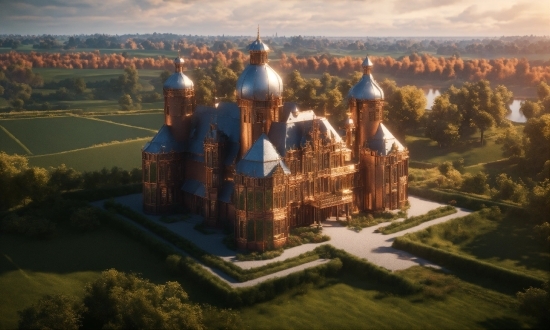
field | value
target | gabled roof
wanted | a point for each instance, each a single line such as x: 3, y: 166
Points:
x: 261, y: 160
x: 163, y: 142
x: 227, y: 119
x: 194, y: 187
x: 295, y: 133
x: 383, y: 141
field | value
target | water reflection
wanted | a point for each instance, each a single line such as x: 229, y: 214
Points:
x: 514, y: 115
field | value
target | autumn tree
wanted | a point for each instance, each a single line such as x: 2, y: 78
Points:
x: 530, y: 109
x: 511, y: 141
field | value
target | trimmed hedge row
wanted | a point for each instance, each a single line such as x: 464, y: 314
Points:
x: 421, y: 165
x: 467, y: 264
x: 462, y: 200
x: 98, y: 194
x: 362, y: 267
x: 415, y: 221
x: 229, y: 268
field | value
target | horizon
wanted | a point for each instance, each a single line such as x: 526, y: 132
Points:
x: 319, y: 18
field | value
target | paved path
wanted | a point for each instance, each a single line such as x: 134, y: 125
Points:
x: 374, y: 247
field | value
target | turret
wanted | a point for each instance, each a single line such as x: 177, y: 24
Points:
x: 179, y: 102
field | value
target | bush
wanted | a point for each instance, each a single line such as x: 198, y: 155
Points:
x: 28, y: 225
x: 415, y: 221
x: 85, y: 219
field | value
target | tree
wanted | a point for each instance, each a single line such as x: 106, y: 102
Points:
x: 126, y: 103
x: 79, y: 86
x: 530, y: 109
x: 539, y: 202
x: 52, y: 312
x: 64, y: 178
x: 512, y: 145
x: 128, y: 82
x: 483, y: 120
x: 119, y: 300
x: 476, y: 184
x: 443, y: 122
x: 537, y: 144
x: 536, y: 302
x: 406, y: 106
x: 237, y: 65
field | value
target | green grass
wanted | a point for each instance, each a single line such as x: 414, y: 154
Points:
x: 509, y: 243
x: 126, y: 155
x: 152, y: 120
x: 425, y: 150
x: 352, y: 303
x: 57, y: 134
x: 31, y: 268
x: 9, y: 145
x: 415, y: 221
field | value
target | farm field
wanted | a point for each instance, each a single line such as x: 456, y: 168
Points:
x: 150, y: 120
x: 126, y: 155
x: 56, y: 134
x: 490, y: 241
x: 352, y: 303
x: 8, y: 144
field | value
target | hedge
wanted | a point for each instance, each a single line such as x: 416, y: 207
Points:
x: 92, y: 195
x: 421, y: 165
x: 229, y: 268
x: 415, y: 221
x: 466, y: 264
x: 462, y: 200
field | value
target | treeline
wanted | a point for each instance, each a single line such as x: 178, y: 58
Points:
x: 198, y: 57
x: 21, y: 183
x: 425, y: 66
x: 421, y: 66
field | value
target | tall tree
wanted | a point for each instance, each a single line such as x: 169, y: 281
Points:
x: 406, y: 106
x: 443, y: 122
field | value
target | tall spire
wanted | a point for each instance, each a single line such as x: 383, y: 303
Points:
x: 258, y: 37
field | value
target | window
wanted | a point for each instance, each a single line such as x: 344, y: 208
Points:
x: 259, y: 117
x: 242, y: 229
x: 153, y: 172
x: 259, y: 230
x: 269, y: 200
x: 250, y: 201
x: 250, y: 230
x: 162, y: 177
x: 163, y: 196
x: 259, y: 201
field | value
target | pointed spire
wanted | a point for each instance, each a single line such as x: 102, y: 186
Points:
x: 258, y: 37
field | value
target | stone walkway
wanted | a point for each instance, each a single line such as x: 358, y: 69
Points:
x: 374, y: 247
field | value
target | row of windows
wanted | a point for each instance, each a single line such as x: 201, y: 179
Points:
x: 165, y: 172
x: 150, y: 195
x: 259, y: 230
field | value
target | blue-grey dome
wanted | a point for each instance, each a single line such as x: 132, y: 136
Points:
x: 257, y: 81
x: 178, y: 81
x: 366, y: 89
x: 258, y: 45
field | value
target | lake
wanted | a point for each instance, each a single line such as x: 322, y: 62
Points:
x: 514, y: 115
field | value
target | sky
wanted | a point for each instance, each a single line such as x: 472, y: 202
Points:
x: 336, y: 18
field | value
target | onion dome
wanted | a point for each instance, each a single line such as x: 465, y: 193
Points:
x: 366, y: 88
x: 178, y: 80
x: 259, y: 81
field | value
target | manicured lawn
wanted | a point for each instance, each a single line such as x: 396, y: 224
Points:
x: 57, y: 134
x: 126, y: 155
x: 352, y: 303
x: 508, y: 243
x: 31, y: 268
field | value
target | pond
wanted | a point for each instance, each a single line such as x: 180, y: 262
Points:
x: 514, y: 115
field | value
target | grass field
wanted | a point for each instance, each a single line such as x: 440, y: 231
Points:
x: 57, y: 134
x: 126, y: 155
x: 8, y: 144
x: 352, y: 303
x: 30, y: 268
x: 425, y: 150
x: 509, y: 243
x: 152, y: 121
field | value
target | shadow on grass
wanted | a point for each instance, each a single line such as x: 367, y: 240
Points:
x: 511, y: 240
x: 501, y: 323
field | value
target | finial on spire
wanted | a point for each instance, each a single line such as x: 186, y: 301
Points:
x: 258, y: 37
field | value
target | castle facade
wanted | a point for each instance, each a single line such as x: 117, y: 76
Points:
x: 261, y: 166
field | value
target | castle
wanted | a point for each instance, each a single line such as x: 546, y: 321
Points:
x: 262, y: 166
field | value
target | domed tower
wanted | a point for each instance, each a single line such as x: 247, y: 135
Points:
x: 366, y: 100
x: 259, y: 96
x: 179, y: 102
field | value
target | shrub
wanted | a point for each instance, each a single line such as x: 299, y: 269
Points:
x: 85, y: 219
x: 28, y: 225
x: 415, y: 221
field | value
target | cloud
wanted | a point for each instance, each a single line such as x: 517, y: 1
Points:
x: 408, y: 6
x: 473, y: 15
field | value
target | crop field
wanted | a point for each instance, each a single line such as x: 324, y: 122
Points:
x: 152, y: 121
x: 8, y: 144
x: 53, y: 135
x: 126, y: 155
x: 352, y: 303
x: 490, y: 241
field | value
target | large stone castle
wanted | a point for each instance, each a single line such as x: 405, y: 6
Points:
x: 261, y: 166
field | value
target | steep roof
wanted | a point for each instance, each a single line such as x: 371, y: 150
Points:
x: 163, y: 142
x: 261, y: 160
x: 295, y: 132
x: 383, y: 141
